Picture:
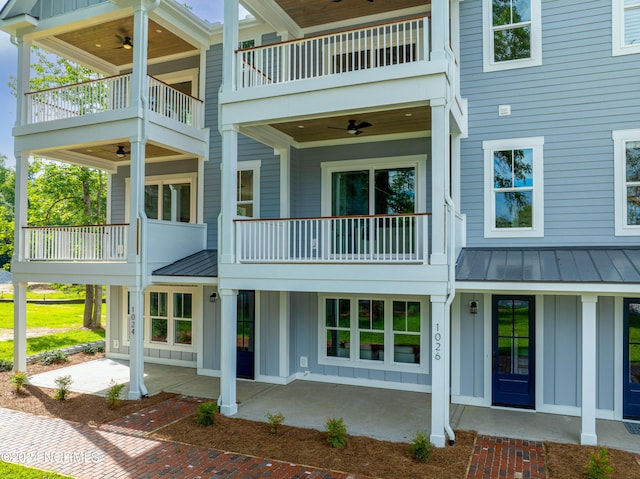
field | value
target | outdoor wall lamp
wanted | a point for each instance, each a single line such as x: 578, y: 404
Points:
x: 473, y: 306
x: 213, y: 297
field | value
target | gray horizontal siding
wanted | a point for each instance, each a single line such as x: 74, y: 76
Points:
x: 575, y: 99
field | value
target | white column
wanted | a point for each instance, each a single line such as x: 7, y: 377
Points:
x: 136, y: 343
x: 439, y: 28
x: 589, y: 370
x: 139, y: 67
x: 22, y: 80
x: 229, y: 188
x: 228, y: 351
x: 439, y: 373
x: 200, y: 201
x: 283, y: 349
x: 230, y: 44
x: 439, y: 167
x: 455, y: 171
x: 285, y: 182
x: 19, y: 327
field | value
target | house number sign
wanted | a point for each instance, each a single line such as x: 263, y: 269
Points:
x: 132, y: 321
x: 437, y: 343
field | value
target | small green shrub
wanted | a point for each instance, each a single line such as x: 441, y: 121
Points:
x: 91, y: 350
x: 113, y: 394
x: 18, y: 380
x: 336, y: 432
x: 421, y: 448
x: 54, y: 357
x: 63, y: 383
x: 275, y: 421
x: 599, y: 466
x: 206, y: 414
x: 5, y: 365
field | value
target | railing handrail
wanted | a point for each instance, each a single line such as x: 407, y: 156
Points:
x: 332, y: 34
x: 29, y: 227
x: 394, y: 215
x: 173, y: 88
x: 60, y: 87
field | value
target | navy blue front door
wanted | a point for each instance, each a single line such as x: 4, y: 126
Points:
x: 513, y: 351
x: 631, y: 367
x: 245, y: 366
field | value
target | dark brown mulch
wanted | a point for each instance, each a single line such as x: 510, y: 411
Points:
x: 362, y: 455
x: 567, y: 461
x: 82, y: 408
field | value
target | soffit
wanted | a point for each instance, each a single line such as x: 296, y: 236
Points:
x: 310, y: 13
x: 389, y: 122
x: 108, y: 152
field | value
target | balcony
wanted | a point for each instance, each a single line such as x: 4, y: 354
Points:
x: 370, y: 48
x: 111, y: 94
x: 95, y: 243
x: 353, y: 239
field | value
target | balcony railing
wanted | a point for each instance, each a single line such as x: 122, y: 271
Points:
x: 110, y: 94
x: 76, y: 243
x: 367, y: 48
x: 351, y: 239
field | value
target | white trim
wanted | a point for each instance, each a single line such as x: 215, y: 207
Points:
x: 469, y: 400
x: 256, y: 335
x: 181, y: 76
x: 603, y: 289
x: 419, y: 162
x: 488, y: 63
x: 558, y: 409
x: 488, y: 348
x: 388, y: 364
x: 285, y: 181
x: 212, y: 373
x: 618, y: 348
x: 537, y: 228
x: 254, y: 166
x: 154, y: 360
x: 620, y: 138
x: 160, y: 180
x: 618, y: 47
x: 539, y: 338
x: 455, y: 346
x: 372, y: 383
x: 283, y: 333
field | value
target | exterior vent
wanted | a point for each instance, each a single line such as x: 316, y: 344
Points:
x: 504, y: 110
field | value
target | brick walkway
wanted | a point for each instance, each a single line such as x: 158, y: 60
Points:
x: 498, y: 457
x: 122, y: 449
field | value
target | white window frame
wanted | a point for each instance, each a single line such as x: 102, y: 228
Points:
x: 537, y: 228
x: 489, y: 64
x: 617, y: 28
x: 354, y: 360
x: 161, y: 180
x: 252, y: 165
x: 620, y: 138
x: 192, y: 75
x: 196, y: 318
x: 419, y: 162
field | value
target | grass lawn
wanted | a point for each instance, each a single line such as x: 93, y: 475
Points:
x: 47, y: 315
x: 50, y: 342
x: 16, y: 471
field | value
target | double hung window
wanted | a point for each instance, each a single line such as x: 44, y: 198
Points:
x: 627, y: 182
x: 626, y: 26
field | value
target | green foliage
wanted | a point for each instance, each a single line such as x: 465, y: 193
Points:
x: 275, y: 421
x: 16, y: 471
x: 6, y: 364
x: 52, y: 342
x: 54, y: 357
x: 113, y: 394
x: 421, y: 448
x: 336, y: 432
x: 91, y: 350
x: 66, y: 316
x: 18, y: 380
x: 63, y: 384
x: 599, y: 466
x: 206, y: 413
x: 7, y: 182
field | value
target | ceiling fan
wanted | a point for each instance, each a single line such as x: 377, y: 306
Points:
x: 352, y: 128
x: 125, y: 42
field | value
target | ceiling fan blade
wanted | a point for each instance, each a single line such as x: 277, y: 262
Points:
x: 364, y: 124
x: 120, y: 38
x: 358, y: 132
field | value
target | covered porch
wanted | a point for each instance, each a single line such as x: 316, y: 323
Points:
x: 380, y: 413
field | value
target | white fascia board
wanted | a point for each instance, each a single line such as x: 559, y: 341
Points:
x: 551, y: 288
x: 269, y: 136
x: 66, y: 50
x: 250, y: 28
x: 21, y: 22
x: 184, y: 280
x: 82, y: 160
x: 180, y: 21
x: 270, y: 12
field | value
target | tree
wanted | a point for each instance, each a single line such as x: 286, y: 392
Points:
x: 7, y: 192
x: 65, y: 194
x: 511, y: 43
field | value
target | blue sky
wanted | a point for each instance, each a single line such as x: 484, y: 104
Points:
x: 211, y: 10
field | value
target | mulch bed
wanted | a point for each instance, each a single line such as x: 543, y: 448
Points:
x: 362, y: 455
x: 567, y: 461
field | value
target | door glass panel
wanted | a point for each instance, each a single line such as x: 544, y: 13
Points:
x: 634, y: 363
x: 505, y: 355
x: 521, y: 318
x: 350, y: 193
x: 176, y: 202
x: 151, y: 201
x: 521, y: 351
x: 505, y: 318
x: 634, y: 343
x: 395, y: 191
x: 246, y: 318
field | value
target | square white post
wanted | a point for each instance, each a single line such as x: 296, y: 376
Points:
x: 439, y: 372
x: 137, y: 388
x: 228, y: 351
x: 589, y: 369
x: 229, y: 187
x: 20, y: 327
x: 439, y: 167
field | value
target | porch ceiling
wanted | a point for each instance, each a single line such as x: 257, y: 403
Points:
x: 319, y: 12
x: 101, y: 41
x: 108, y: 152
x: 389, y: 122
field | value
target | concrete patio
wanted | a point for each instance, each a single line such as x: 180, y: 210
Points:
x: 379, y: 413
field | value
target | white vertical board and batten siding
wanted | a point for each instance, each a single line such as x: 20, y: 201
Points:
x: 574, y: 100
x: 51, y: 8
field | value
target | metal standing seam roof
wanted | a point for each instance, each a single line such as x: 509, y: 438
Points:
x: 203, y: 264
x: 564, y: 265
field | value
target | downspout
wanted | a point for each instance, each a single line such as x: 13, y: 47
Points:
x: 451, y: 237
